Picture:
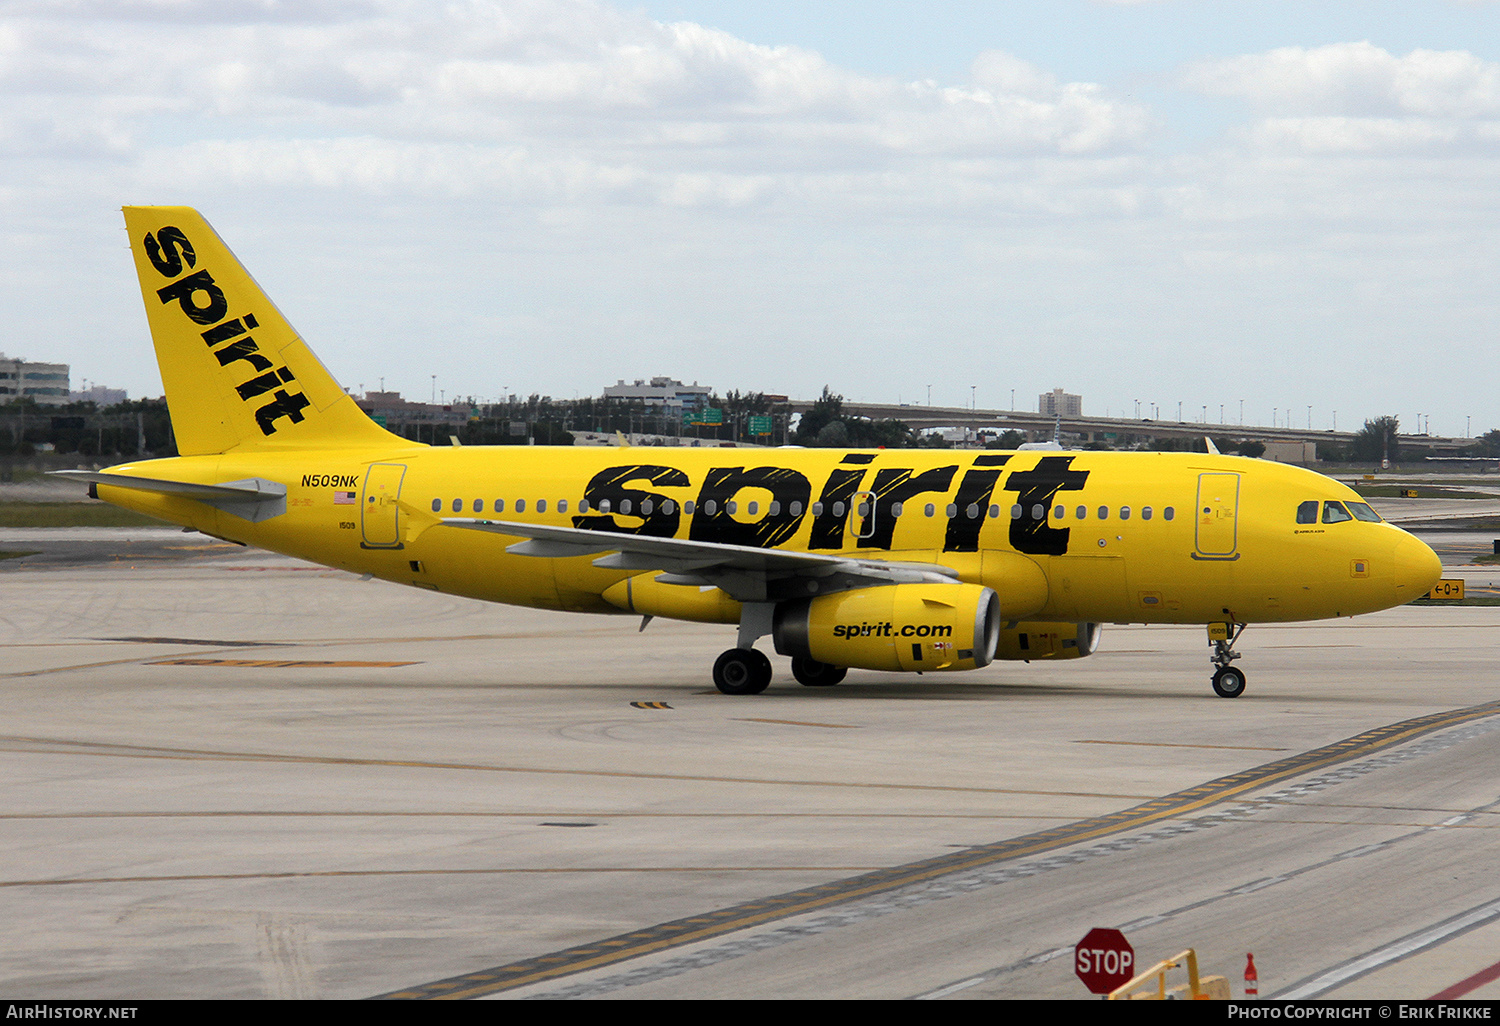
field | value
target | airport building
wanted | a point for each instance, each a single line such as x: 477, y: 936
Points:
x: 394, y: 413
x: 98, y: 395
x: 1058, y: 403
x: 46, y: 383
x: 668, y: 392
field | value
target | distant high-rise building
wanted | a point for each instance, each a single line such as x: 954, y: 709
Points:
x: 1058, y: 403
x: 46, y: 383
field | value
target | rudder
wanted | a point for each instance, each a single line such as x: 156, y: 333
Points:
x: 236, y: 373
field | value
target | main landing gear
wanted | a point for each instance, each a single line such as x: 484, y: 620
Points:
x: 814, y: 674
x: 1229, y: 682
x: 747, y: 671
x: 742, y: 671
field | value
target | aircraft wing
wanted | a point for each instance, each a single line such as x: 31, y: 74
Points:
x: 745, y: 573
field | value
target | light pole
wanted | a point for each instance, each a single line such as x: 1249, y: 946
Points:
x: 1137, y: 409
x: 1242, y: 413
x: 929, y: 395
x: 1309, y: 418
x: 973, y: 397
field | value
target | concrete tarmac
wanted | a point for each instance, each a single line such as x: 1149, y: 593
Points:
x: 232, y: 774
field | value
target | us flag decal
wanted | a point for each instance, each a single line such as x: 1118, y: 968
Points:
x: 343, y: 498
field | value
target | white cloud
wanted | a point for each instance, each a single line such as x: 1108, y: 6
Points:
x: 566, y: 80
x: 1359, y: 98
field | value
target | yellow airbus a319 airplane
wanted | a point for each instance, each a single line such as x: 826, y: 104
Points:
x: 899, y: 560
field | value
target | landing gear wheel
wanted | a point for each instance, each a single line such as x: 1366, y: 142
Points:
x: 814, y: 674
x: 742, y: 671
x: 1229, y: 682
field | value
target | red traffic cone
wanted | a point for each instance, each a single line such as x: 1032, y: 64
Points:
x: 1252, y: 978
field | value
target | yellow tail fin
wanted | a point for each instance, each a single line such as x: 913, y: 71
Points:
x: 237, y: 375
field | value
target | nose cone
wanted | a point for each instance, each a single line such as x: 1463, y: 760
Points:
x: 1418, y: 569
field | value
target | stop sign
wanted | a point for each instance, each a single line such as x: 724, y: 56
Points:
x: 1104, y: 960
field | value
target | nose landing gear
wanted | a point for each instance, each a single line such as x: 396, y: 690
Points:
x: 1229, y: 682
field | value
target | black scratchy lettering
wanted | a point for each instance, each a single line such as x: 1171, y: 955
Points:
x: 828, y: 528
x: 721, y: 486
x: 609, y: 486
x: 1037, y: 487
x: 897, y: 484
x: 168, y: 249
x: 183, y: 290
x: 245, y: 349
x: 285, y: 404
x: 258, y: 386
x: 974, y: 490
x: 224, y: 332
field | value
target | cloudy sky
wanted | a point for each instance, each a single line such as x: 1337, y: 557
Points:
x: 1172, y: 201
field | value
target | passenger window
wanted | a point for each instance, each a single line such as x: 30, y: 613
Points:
x: 994, y: 512
x: 669, y: 507
x: 973, y: 511
x: 773, y: 509
x: 499, y: 505
x: 952, y: 511
x: 817, y: 509
x: 1083, y: 512
x: 520, y: 505
x: 458, y: 505
x: 796, y: 509
x: 709, y: 507
x: 1060, y: 513
x: 863, y: 509
x: 646, y: 507
x: 930, y: 509
x: 1145, y: 512
x: 437, y: 505
x: 1103, y: 512
x: 541, y: 505
x: 689, y: 506
x: 896, y: 508
x: 583, y: 505
x: 478, y: 505
x: 603, y: 506
x: 1124, y: 512
x: 1168, y: 513
x: 562, y: 505
x: 838, y: 509
x: 1016, y: 511
x: 1335, y: 513
x: 1307, y: 513
x: 753, y: 508
x: 1039, y: 512
x: 1362, y: 511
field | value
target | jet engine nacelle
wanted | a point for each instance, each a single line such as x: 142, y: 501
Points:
x: 1029, y: 640
x: 895, y: 627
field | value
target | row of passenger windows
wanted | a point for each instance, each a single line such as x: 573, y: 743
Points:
x: 668, y: 507
x: 1336, y: 512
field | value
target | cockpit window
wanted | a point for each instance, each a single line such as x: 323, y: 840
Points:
x: 1307, y: 513
x: 1335, y: 513
x: 1362, y: 511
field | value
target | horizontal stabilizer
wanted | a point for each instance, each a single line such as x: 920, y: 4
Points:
x: 254, y: 499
